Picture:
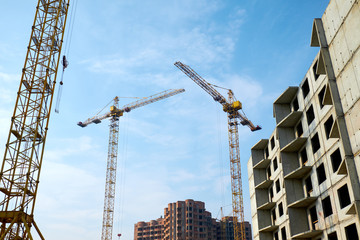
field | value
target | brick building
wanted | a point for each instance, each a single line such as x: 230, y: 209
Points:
x: 153, y: 230
x: 187, y: 220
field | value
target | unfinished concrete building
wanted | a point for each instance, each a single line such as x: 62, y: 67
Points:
x: 304, y: 179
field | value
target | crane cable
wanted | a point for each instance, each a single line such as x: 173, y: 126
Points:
x: 64, y: 61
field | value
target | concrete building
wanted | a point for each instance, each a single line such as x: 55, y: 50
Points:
x: 153, y: 230
x: 304, y: 179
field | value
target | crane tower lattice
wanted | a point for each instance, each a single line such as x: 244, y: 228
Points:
x: 20, y: 169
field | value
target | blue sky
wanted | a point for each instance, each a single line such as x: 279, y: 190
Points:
x: 171, y: 150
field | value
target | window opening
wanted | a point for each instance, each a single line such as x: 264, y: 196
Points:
x: 328, y: 124
x: 336, y: 160
x: 277, y: 183
x: 308, y: 185
x: 310, y: 115
x: 281, y: 210
x: 295, y: 104
x: 272, y: 143
x: 271, y: 192
x: 305, y: 88
x: 269, y: 172
x: 283, y: 233
x: 313, y: 217
x: 299, y: 129
x: 315, y: 143
x: 321, y: 96
x: 351, y: 232
x: 344, y: 197
x: 326, y: 204
x: 273, y: 213
x: 303, y: 156
x: 332, y: 236
x: 320, y: 170
x: 275, y: 164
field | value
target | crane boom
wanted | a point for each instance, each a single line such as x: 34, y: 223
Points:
x: 227, y: 106
x: 20, y: 169
x: 114, y: 115
x: 231, y: 107
x: 201, y: 82
x: 131, y: 106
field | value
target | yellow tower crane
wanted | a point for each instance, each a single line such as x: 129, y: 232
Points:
x: 20, y: 169
x: 114, y: 115
x: 235, y: 117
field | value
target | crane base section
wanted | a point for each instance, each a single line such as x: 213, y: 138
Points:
x: 9, y: 219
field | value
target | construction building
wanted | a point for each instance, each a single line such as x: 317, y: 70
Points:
x: 226, y: 229
x: 304, y: 179
x: 153, y: 230
x: 188, y: 220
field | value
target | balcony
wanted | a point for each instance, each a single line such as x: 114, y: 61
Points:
x: 264, y: 184
x: 257, y: 152
x: 290, y: 120
x: 269, y: 228
x: 299, y: 173
x: 267, y: 206
x: 282, y: 106
x: 264, y: 163
x: 307, y: 234
x: 295, y: 145
x: 303, y: 203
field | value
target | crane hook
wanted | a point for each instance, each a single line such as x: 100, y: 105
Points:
x: 64, y: 62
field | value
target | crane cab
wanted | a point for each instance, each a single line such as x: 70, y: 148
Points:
x: 232, y: 107
x: 116, y: 112
x: 237, y: 105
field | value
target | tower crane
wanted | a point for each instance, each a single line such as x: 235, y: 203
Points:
x: 114, y: 115
x: 235, y: 117
x: 21, y: 165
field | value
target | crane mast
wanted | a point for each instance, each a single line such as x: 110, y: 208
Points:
x: 108, y: 214
x: 231, y: 107
x: 235, y: 172
x: 20, y: 169
x: 114, y: 115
